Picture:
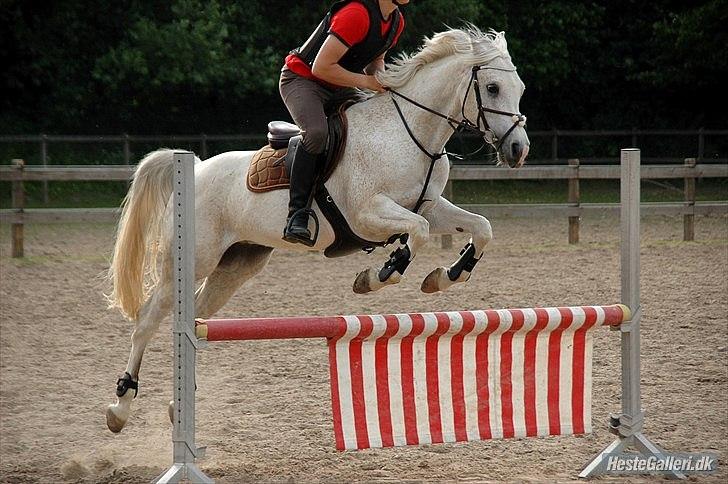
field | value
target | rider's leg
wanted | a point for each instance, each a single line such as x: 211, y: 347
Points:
x: 305, y: 100
x: 303, y: 177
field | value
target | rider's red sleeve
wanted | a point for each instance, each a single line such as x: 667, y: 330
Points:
x: 350, y: 24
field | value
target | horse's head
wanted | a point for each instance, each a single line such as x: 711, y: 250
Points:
x: 491, y: 93
x: 475, y: 80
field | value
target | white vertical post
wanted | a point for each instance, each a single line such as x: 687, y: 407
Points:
x: 185, y: 343
x: 628, y: 425
x: 631, y: 418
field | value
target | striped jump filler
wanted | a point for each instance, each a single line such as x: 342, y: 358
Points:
x: 462, y: 376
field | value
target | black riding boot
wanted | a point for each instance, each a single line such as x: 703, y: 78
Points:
x: 303, y: 177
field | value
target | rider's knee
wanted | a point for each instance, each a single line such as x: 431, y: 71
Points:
x: 314, y: 140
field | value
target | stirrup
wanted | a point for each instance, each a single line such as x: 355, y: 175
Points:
x: 293, y: 238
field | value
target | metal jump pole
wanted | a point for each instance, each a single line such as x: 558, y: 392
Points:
x: 185, y: 451
x: 628, y: 424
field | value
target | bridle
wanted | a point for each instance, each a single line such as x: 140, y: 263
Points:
x: 480, y: 127
x: 517, y: 118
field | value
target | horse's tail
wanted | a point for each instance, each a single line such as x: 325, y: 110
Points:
x: 134, y: 265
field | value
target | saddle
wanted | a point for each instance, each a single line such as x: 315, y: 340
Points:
x: 271, y: 165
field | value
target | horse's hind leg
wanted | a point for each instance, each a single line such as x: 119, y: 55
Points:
x: 154, y: 310
x: 239, y: 263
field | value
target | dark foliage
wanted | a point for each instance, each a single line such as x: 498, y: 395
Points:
x: 190, y: 66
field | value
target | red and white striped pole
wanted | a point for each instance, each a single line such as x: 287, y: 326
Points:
x: 336, y: 326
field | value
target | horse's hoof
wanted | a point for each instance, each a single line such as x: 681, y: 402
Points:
x: 362, y: 284
x: 113, y: 421
x: 431, y: 284
x: 170, y: 411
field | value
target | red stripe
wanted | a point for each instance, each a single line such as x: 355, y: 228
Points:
x: 613, y: 315
x: 591, y: 316
x: 433, y: 382
x: 457, y: 384
x: 578, y: 369
x: 482, y: 376
x: 529, y: 372
x: 577, y: 381
x: 408, y: 380
x: 335, y: 400
x: 357, y: 383
x: 506, y: 378
x: 381, y: 365
x: 554, y: 372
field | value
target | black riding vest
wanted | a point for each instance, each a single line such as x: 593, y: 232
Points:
x: 359, y: 55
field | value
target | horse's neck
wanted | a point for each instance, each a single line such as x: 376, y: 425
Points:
x: 436, y: 86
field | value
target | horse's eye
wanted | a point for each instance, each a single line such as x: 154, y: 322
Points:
x: 492, y: 89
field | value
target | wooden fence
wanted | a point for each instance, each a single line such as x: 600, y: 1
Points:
x: 18, y: 173
x: 554, y: 138
x: 703, y: 144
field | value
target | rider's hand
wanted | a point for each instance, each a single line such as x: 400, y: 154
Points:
x: 371, y: 82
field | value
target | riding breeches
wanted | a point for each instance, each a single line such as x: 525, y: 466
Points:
x: 307, y: 101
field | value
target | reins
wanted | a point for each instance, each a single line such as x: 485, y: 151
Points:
x: 458, y: 125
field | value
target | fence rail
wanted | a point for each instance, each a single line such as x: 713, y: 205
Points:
x: 458, y: 172
x: 554, y: 137
x: 18, y: 173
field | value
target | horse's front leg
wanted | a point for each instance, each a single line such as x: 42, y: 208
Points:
x: 446, y: 218
x: 379, y: 220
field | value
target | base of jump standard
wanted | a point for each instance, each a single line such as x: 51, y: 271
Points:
x: 411, y: 379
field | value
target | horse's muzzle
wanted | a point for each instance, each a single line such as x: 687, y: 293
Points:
x: 517, y: 155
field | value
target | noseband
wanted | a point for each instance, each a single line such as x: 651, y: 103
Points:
x: 480, y: 127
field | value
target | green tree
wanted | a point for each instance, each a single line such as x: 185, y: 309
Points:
x: 157, y: 66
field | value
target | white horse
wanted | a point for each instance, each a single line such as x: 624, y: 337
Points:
x: 460, y: 75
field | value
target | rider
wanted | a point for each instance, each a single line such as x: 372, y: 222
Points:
x: 342, y: 54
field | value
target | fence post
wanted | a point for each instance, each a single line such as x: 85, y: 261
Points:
x: 204, y: 146
x: 446, y: 239
x: 18, y: 204
x: 555, y: 145
x: 574, y: 198
x: 127, y: 150
x: 689, y: 214
x: 701, y: 144
x: 44, y: 160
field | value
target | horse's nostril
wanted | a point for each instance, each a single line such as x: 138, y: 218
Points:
x: 516, y: 149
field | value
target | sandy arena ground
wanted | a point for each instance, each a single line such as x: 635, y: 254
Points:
x: 263, y: 407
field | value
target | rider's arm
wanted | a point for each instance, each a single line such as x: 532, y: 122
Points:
x: 377, y: 65
x: 326, y: 67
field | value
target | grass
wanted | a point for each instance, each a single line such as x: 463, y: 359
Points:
x: 87, y: 194
x: 592, y: 191
x: 110, y: 194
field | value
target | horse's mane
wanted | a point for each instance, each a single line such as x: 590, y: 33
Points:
x: 474, y: 46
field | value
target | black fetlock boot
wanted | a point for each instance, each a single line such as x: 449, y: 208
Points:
x: 303, y: 178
